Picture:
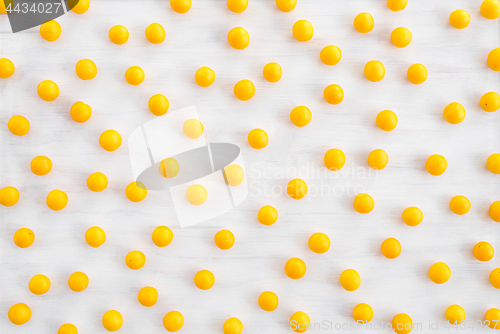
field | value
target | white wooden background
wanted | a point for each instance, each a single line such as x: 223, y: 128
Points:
x: 456, y: 61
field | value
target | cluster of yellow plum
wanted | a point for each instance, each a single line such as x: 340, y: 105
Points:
x: 350, y: 279
x: 374, y: 71
x: 112, y: 320
x: 95, y: 236
x: 386, y: 120
x: 39, y: 284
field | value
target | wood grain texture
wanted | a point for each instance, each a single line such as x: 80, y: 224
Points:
x: 456, y: 61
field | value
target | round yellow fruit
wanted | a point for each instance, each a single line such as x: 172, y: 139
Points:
x: 494, y: 211
x: 224, y: 239
x: 267, y: 215
x: 495, y: 278
x: 350, y: 279
x: 47, y: 90
x: 39, y: 284
x: 19, y: 314
x: 396, y: 5
x: 180, y: 6
x: 9, y: 196
x: 272, y: 72
x: 196, y: 194
x: 492, y: 318
x: 362, y: 313
x: 244, y: 90
x: 232, y: 326
x: 204, y: 279
x: 286, y: 5
x: 57, y: 200
x: 158, y: 104
x: 110, y: 140
x: 378, y: 159
x: 387, y: 120
x: 334, y: 159
x: 81, y: 7
x: 192, y: 128
x: 296, y: 189
x: 412, y: 216
x: 78, y: 281
x: 4, y: 5
x: 494, y: 59
x: 50, y: 30
x: 459, y: 19
x: 169, y: 168
x: 330, y: 55
x: 95, y: 236
x: 363, y: 203
x: 439, y: 272
x: 363, y: 22
x: 234, y: 175
x: 303, y: 30
x: 7, y: 68
x: 402, y: 323
x: 460, y: 205
x: 118, y: 34
x: 300, y: 322
x: 417, y: 74
x: 80, y: 112
x: 319, y: 243
x: 454, y: 113
x: 237, y: 6
x: 41, y: 165
x: 68, y: 328
x: 86, y: 69
x: 374, y: 71
x: 295, y: 268
x: 24, y: 237
x: 333, y: 94
x: 238, y: 38
x: 490, y: 102
x: 112, y: 320
x: 390, y: 248
x: 18, y: 125
x: 491, y: 10
x: 258, y: 139
x: 300, y: 116
x: 436, y: 164
x: 162, y: 236
x: 97, y: 182
x: 268, y: 301
x: 173, y: 321
x: 135, y: 260
x: 134, y: 75
x: 401, y: 37
x: 483, y: 251
x: 455, y: 314
x: 204, y: 76
x: 148, y: 296
x: 155, y: 33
